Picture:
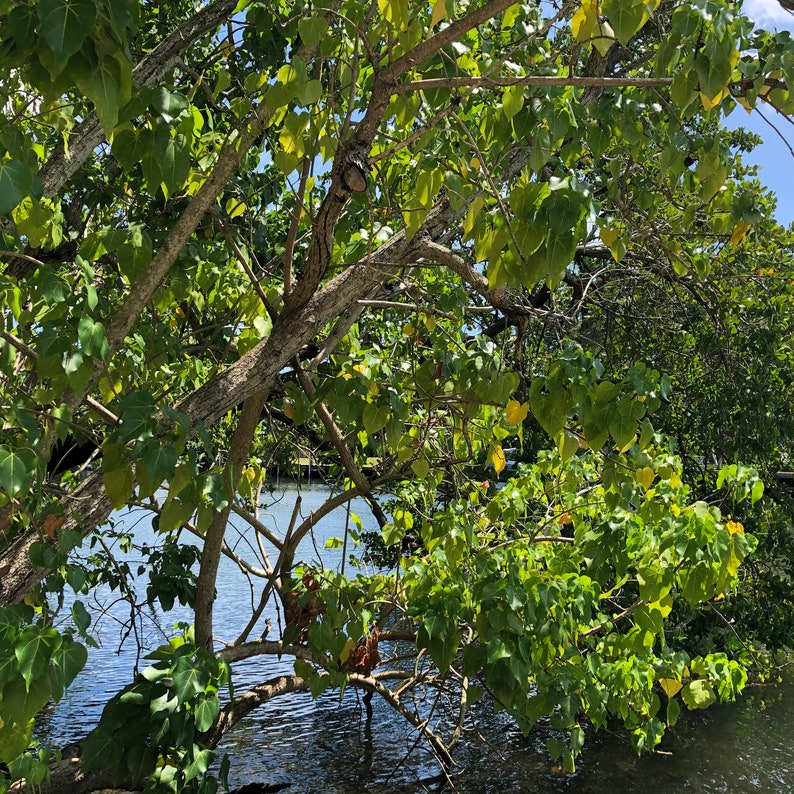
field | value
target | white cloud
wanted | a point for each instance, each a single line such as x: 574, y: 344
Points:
x: 769, y: 14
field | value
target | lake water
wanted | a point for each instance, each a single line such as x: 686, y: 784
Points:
x: 328, y: 745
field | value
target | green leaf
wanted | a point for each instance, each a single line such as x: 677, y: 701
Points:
x: 102, y: 85
x: 16, y: 182
x: 200, y: 763
x: 560, y: 249
x: 22, y: 702
x: 130, y: 145
x: 66, y: 23
x: 188, y: 679
x: 173, y: 160
x: 392, y: 533
x: 319, y: 683
x: 625, y: 16
x: 136, y: 416
x: 14, y: 739
x: 549, y: 408
x: 9, y: 668
x: 623, y: 422
x: 92, y: 338
x: 34, y: 650
x: 16, y: 468
x: 159, y: 461
x: 215, y: 488
x: 567, y: 445
x: 169, y: 107
x: 375, y: 418
x: 310, y: 93
x: 121, y: 17
x: 312, y: 29
x: 67, y: 662
x: 98, y: 750
x: 413, y: 219
x: 420, y: 467
x: 81, y: 617
x: 698, y: 694
x: 175, y: 513
x: 205, y: 711
x: 119, y: 484
x: 141, y: 761
x: 428, y: 184
x: 20, y: 26
x: 673, y: 711
x: 512, y: 100
x: 714, y: 72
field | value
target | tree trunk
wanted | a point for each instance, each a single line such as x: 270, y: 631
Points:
x: 213, y: 539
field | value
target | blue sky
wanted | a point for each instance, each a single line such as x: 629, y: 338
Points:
x: 773, y: 156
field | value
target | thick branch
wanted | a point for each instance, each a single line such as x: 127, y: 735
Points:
x: 252, y: 699
x: 386, y: 80
x: 262, y: 364
x: 530, y: 80
x: 239, y: 451
x: 89, y: 505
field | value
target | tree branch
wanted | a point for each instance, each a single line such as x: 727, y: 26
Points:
x: 531, y: 80
x: 240, y: 449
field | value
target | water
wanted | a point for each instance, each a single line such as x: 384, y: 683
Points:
x: 329, y: 745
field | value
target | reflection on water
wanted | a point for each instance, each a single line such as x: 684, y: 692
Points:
x: 328, y: 745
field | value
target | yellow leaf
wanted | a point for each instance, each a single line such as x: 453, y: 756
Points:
x: 516, y: 412
x: 408, y: 329
x: 743, y: 101
x: 741, y: 228
x: 348, y: 647
x: 670, y: 686
x: 604, y: 42
x: 498, y: 458
x: 708, y: 104
x: 439, y: 12
x: 609, y: 235
x: 475, y: 163
x: 429, y: 321
x: 289, y: 410
x: 235, y: 207
x: 584, y: 22
x: 645, y: 477
x: 735, y: 527
x: 767, y: 86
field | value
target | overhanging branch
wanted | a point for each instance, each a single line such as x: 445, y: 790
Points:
x: 532, y: 80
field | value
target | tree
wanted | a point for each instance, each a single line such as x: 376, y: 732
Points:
x: 410, y: 239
